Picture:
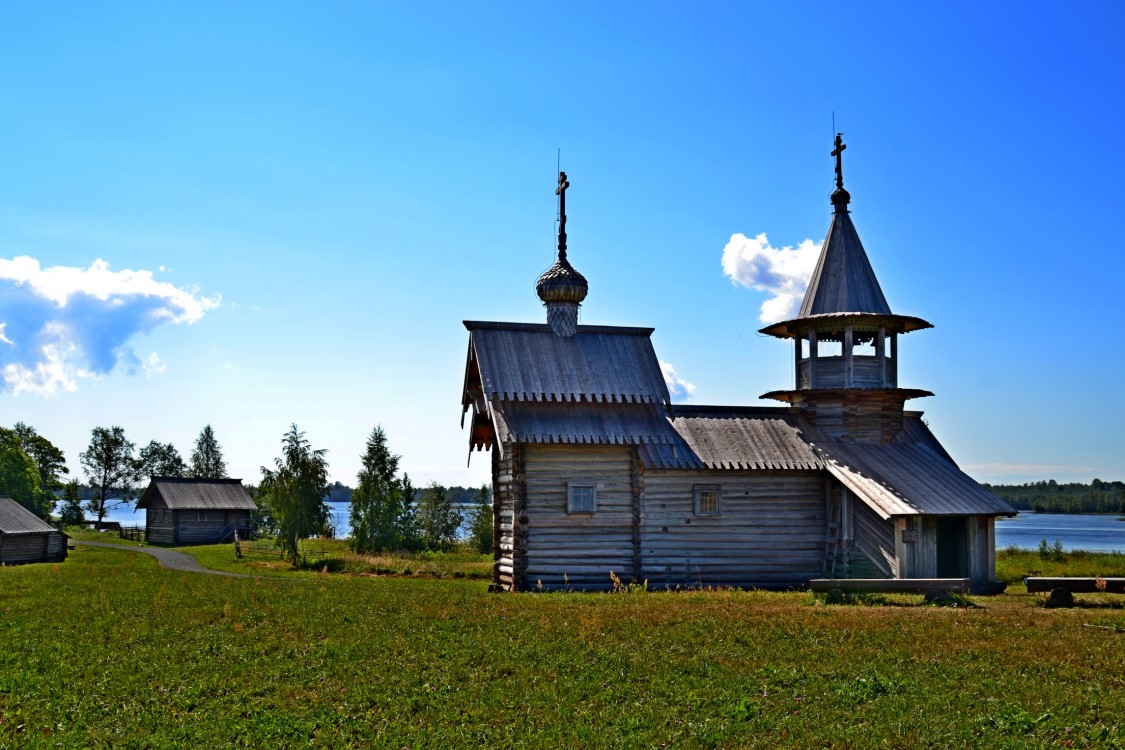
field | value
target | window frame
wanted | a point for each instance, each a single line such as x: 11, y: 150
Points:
x: 697, y: 496
x: 582, y: 485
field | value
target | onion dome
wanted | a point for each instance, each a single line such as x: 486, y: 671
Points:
x: 561, y: 283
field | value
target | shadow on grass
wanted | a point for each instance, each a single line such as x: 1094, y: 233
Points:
x: 1046, y: 603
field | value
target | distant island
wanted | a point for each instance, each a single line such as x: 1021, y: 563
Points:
x: 1051, y: 497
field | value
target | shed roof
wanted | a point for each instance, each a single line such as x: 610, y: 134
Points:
x: 16, y: 519
x: 528, y: 362
x: 198, y: 494
x: 909, y: 478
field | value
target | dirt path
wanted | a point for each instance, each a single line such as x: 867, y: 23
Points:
x: 169, y: 558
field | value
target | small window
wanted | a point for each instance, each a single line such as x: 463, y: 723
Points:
x: 201, y: 515
x: 581, y: 498
x: 707, y: 497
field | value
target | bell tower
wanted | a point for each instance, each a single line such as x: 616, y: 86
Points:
x: 845, y: 338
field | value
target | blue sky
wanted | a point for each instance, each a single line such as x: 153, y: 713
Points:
x: 312, y: 197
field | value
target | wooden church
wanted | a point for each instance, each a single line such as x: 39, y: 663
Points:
x: 595, y: 472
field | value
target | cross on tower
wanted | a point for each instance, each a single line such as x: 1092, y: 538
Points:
x: 838, y: 152
x: 561, y: 192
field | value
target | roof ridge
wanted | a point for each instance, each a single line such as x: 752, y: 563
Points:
x: 477, y: 325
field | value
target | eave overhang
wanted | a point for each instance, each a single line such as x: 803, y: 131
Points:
x: 859, y: 321
x: 796, y: 396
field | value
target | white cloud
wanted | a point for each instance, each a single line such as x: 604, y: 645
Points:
x: 63, y: 324
x: 153, y: 365
x: 680, y: 389
x: 782, y: 272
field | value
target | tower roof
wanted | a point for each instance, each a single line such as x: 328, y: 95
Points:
x: 843, y: 284
x: 843, y: 281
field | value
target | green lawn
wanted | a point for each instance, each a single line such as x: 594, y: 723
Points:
x: 334, y: 556
x: 1013, y: 563
x: 109, y: 650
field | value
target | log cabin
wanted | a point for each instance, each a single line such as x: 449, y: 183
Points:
x: 196, y: 511
x: 27, y: 538
x: 596, y: 474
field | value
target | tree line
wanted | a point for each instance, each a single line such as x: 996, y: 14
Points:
x: 1074, y: 497
x: 32, y: 470
x: 386, y: 514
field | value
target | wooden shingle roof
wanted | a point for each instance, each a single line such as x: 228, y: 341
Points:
x: 909, y: 478
x: 528, y: 362
x: 16, y: 519
x: 736, y: 438
x: 198, y: 494
x: 843, y: 281
x: 914, y: 475
x: 582, y: 423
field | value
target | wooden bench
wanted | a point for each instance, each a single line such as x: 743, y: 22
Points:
x: 892, y: 585
x: 1077, y: 585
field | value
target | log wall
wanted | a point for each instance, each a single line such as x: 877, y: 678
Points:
x: 16, y: 549
x: 190, y: 530
x: 869, y: 416
x: 503, y: 518
x: 578, y: 550
x: 771, y: 528
x: 159, y: 527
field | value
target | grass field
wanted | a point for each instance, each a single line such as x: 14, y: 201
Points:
x: 109, y: 650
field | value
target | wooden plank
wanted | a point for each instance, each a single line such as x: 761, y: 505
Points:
x: 892, y: 585
x: 814, y: 358
x: 1075, y: 585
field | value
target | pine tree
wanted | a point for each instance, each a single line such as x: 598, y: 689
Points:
x: 207, y: 457
x: 377, y: 500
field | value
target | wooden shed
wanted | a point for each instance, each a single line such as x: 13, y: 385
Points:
x: 595, y: 471
x: 196, y: 511
x: 27, y: 538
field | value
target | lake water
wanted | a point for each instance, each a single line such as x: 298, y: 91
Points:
x: 1100, y: 533
x: 1096, y: 533
x: 125, y: 516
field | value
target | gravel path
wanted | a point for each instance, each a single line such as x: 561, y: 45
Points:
x: 169, y: 558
